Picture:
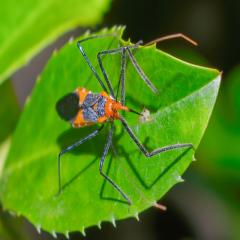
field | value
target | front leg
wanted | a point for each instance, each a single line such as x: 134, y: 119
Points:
x: 156, y: 151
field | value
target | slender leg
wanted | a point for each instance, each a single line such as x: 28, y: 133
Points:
x: 113, y: 51
x: 119, y: 50
x: 87, y: 59
x: 140, y: 72
x: 156, y: 151
x: 139, y: 69
x: 123, y: 50
x: 76, y: 144
x: 105, y: 152
x: 106, y: 52
x: 122, y: 76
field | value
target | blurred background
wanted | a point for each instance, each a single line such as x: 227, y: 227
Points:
x: 206, y: 205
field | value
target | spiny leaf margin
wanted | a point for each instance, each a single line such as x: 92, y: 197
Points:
x: 82, y: 206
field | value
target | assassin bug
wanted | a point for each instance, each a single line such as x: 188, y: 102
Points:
x: 83, y: 108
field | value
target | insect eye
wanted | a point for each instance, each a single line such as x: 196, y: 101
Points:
x: 67, y: 107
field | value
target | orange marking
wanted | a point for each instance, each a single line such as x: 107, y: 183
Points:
x: 108, y: 108
x: 102, y: 119
x: 112, y: 107
x: 82, y: 93
x: 104, y: 94
x: 79, y: 121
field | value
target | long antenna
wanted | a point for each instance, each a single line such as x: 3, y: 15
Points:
x: 172, y: 36
x: 133, y: 111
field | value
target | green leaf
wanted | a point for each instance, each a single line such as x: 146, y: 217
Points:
x: 29, y: 26
x: 179, y: 114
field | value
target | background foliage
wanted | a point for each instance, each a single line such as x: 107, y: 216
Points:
x: 29, y: 26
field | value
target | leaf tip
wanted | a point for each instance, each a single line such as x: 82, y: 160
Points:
x: 86, y: 33
x: 118, y: 29
x: 113, y: 221
x: 83, y: 232
x: 99, y: 225
x: 179, y: 179
x: 54, y: 234
x: 104, y: 30
x: 38, y: 227
x: 136, y: 216
x: 67, y: 234
x: 114, y: 28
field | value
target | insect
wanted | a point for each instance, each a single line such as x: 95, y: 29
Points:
x: 84, y: 108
